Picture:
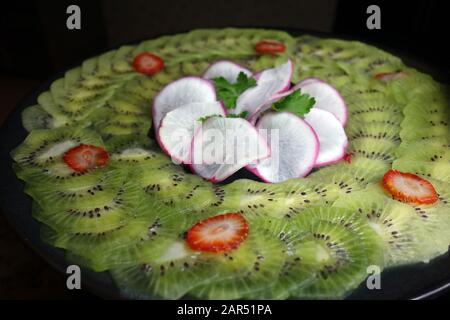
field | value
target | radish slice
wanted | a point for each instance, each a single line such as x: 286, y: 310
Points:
x: 269, y: 83
x: 327, y: 97
x: 176, y: 129
x: 227, y: 69
x: 294, y: 146
x: 179, y: 93
x: 331, y: 134
x: 224, y: 145
x: 306, y: 81
x: 255, y: 115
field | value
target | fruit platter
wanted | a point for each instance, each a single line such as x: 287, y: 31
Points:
x: 240, y: 164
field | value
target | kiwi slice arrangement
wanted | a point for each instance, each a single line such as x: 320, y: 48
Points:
x: 309, y: 238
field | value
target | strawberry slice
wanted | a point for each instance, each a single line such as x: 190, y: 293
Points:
x: 269, y: 47
x: 348, y: 157
x: 218, y: 234
x: 388, y: 76
x: 148, y: 63
x: 408, y: 187
x: 86, y: 157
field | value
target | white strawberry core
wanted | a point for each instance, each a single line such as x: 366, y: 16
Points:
x: 410, y: 186
x: 220, y: 229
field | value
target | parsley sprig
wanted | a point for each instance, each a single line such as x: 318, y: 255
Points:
x: 296, y: 102
x: 243, y: 115
x: 228, y: 92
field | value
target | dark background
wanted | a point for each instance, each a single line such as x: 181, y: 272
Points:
x: 35, y: 43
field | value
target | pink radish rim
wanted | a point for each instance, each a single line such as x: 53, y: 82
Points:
x: 312, y: 80
x: 337, y: 160
x: 227, y: 61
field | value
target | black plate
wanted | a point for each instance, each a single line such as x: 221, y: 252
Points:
x: 416, y: 281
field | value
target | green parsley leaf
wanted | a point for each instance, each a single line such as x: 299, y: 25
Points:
x: 203, y: 119
x: 229, y: 92
x: 296, y: 102
x: 243, y: 115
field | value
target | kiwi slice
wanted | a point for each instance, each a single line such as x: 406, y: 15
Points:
x: 215, y: 44
x: 172, y: 186
x: 79, y: 100
x: 368, y: 108
x: 71, y: 77
x: 122, y: 62
x: 132, y: 150
x: 43, y: 148
x: 345, y: 246
x: 35, y: 117
x: 169, y: 276
x: 88, y: 188
x: 89, y: 67
x: 123, y: 245
x: 380, y: 131
x: 334, y: 76
x: 374, y: 148
x: 392, y: 222
x: 283, y: 200
x: 357, y: 92
x: 417, y: 85
x: 104, y: 63
x: 247, y: 270
x: 430, y: 224
x: 45, y: 100
x: 102, y: 212
x: 177, y: 271
x: 115, y: 124
x: 295, y: 272
x: 439, y: 170
x: 434, y: 150
x: 345, y: 178
x: 429, y: 128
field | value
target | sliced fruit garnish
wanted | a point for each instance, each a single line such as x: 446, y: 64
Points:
x: 148, y: 63
x: 270, y: 82
x: 388, y: 76
x: 177, y: 128
x: 222, y: 146
x: 409, y: 188
x: 326, y: 96
x: 294, y: 147
x: 348, y: 157
x: 270, y: 47
x: 226, y: 69
x: 331, y: 135
x: 218, y: 234
x: 86, y: 157
x: 180, y: 93
x: 228, y: 92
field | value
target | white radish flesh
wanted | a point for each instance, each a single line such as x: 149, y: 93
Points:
x: 269, y: 83
x: 294, y: 147
x: 226, y: 69
x: 326, y: 96
x: 330, y: 132
x: 225, y: 145
x: 177, y: 128
x: 179, y: 93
